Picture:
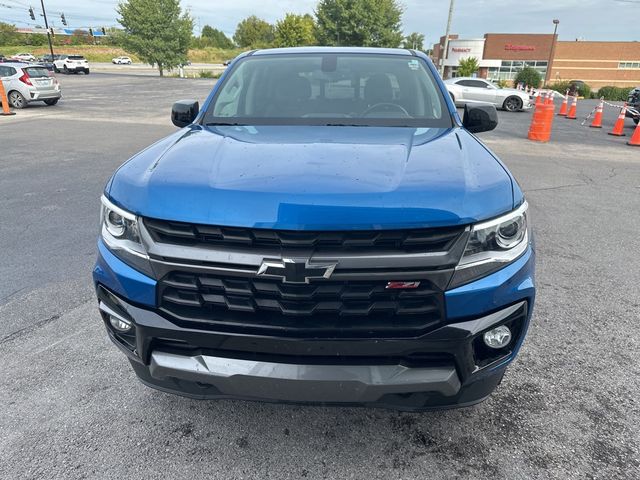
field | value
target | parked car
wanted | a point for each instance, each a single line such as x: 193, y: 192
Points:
x: 325, y: 230
x: 23, y: 57
x: 3, y: 58
x: 634, y: 103
x: 467, y: 90
x: 71, y: 64
x: 47, y: 58
x: 25, y: 83
x: 47, y: 65
x: 121, y: 61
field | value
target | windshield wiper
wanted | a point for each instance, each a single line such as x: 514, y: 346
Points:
x: 226, y: 124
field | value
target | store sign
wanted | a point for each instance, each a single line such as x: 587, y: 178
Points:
x: 460, y: 50
x: 519, y: 48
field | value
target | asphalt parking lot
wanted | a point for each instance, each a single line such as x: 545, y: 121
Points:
x: 568, y: 408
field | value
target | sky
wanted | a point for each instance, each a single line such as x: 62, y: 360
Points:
x: 579, y: 19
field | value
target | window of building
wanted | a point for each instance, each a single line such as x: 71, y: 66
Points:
x: 629, y: 65
x: 508, y: 69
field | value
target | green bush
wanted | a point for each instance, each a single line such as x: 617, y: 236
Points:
x: 205, y: 74
x: 528, y: 76
x: 584, y: 91
x: 614, y: 94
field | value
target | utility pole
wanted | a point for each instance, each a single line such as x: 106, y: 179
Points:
x: 547, y: 77
x: 446, y: 38
x: 46, y: 25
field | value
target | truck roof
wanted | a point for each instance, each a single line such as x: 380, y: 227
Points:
x: 365, y: 50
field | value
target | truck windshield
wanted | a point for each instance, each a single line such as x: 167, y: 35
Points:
x: 329, y: 89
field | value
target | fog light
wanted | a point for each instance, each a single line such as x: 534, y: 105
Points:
x: 120, y: 324
x: 498, y: 337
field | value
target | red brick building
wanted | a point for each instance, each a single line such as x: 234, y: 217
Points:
x: 504, y: 54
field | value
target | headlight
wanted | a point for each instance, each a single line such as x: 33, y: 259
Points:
x: 120, y: 232
x: 492, y: 245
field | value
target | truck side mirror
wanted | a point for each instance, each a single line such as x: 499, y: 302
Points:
x: 184, y: 112
x: 480, y: 117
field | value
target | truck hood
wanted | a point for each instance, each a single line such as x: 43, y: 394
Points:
x: 322, y: 178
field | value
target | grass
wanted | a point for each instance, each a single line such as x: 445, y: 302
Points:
x: 104, y: 53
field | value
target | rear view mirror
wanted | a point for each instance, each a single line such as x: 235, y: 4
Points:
x: 480, y: 117
x: 184, y: 112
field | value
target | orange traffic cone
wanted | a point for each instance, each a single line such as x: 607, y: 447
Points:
x: 618, y: 128
x: 597, y: 118
x: 538, y: 98
x: 565, y: 105
x: 5, y: 101
x: 635, y: 138
x: 572, y: 111
x: 541, y: 123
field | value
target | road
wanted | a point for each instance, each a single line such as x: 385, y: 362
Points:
x: 568, y: 408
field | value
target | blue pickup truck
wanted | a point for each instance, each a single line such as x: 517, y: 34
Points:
x: 326, y: 229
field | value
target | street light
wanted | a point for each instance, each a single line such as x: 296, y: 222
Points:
x: 547, y: 77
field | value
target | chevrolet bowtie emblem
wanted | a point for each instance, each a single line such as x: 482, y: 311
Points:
x: 295, y: 271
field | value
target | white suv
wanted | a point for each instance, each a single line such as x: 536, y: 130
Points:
x: 71, y: 64
x: 28, y: 83
x: 121, y: 61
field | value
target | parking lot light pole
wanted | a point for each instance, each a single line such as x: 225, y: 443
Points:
x: 547, y: 77
x: 46, y: 25
x: 443, y: 55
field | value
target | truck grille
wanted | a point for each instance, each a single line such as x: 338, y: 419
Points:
x: 422, y: 240
x: 324, y: 308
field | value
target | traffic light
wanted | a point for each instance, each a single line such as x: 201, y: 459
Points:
x: 91, y: 32
x: 64, y: 20
x: 51, y: 31
x: 31, y: 14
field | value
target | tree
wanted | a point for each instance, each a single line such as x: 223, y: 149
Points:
x: 254, y: 32
x: 414, y: 40
x: 157, y: 31
x: 467, y: 66
x: 7, y: 34
x: 365, y: 23
x: 216, y: 37
x: 295, y: 31
x: 528, y: 76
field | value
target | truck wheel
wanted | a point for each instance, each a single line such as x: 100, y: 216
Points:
x: 55, y: 69
x: 512, y: 104
x: 16, y: 100
x: 66, y: 70
x: 86, y: 72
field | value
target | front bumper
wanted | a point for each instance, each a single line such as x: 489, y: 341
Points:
x: 439, y: 369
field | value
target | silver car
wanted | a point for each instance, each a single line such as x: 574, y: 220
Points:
x: 465, y: 90
x: 24, y: 83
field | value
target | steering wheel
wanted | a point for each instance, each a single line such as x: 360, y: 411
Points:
x: 386, y: 106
